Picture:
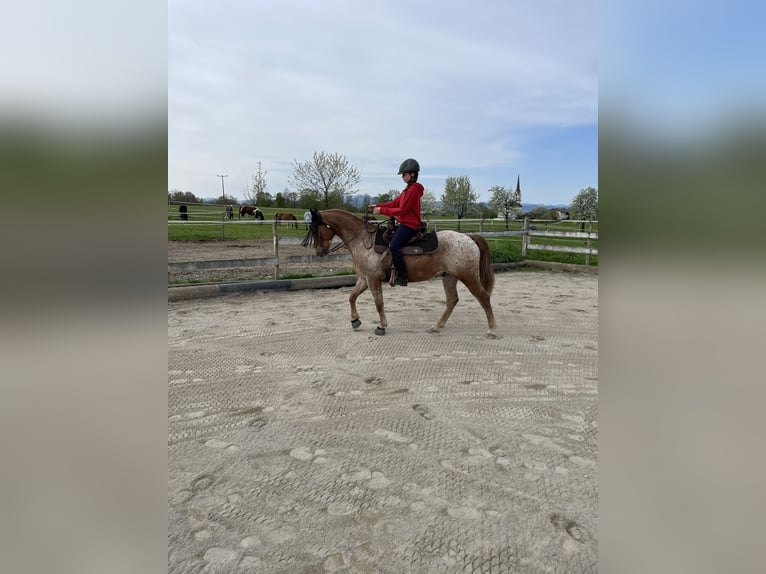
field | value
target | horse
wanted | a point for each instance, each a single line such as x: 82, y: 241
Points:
x: 251, y: 210
x: 289, y: 217
x: 229, y: 212
x: 459, y: 257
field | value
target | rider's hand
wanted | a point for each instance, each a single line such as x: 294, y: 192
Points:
x: 371, y: 207
x: 376, y: 210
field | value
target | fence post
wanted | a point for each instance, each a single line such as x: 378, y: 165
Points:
x: 587, y: 243
x: 223, y: 219
x: 436, y: 226
x: 525, y: 238
x: 275, y: 227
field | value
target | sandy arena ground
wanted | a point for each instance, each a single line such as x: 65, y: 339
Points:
x: 298, y: 445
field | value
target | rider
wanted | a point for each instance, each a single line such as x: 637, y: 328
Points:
x: 406, y: 208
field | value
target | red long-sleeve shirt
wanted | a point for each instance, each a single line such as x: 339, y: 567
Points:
x: 406, y: 207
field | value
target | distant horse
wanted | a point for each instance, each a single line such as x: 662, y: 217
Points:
x: 251, y: 210
x: 229, y: 212
x: 183, y: 212
x: 289, y: 217
x: 459, y: 257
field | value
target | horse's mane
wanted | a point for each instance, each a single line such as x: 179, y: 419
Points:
x: 312, y: 235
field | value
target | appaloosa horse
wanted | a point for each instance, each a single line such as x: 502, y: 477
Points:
x: 251, y: 210
x: 459, y: 257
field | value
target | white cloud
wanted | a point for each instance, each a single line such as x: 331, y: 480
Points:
x: 455, y: 86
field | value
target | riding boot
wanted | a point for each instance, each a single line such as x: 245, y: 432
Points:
x: 401, y: 271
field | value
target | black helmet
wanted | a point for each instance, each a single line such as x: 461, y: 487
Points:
x: 409, y: 165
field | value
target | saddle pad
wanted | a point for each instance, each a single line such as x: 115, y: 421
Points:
x: 427, y: 244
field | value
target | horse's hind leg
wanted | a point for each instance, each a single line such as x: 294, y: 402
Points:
x: 484, y: 300
x: 449, y: 282
x: 359, y: 288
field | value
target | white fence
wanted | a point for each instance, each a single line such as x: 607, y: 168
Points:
x: 526, y: 231
x: 530, y: 231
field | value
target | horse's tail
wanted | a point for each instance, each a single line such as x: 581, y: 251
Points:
x: 486, y: 273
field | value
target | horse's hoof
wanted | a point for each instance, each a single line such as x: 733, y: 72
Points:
x: 492, y: 336
x: 356, y: 323
x: 379, y: 331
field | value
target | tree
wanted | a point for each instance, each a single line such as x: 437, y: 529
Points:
x: 459, y: 197
x: 291, y: 197
x: 177, y: 196
x: 542, y: 212
x: 505, y: 202
x: 486, y: 211
x: 308, y: 198
x: 328, y: 175
x: 225, y: 200
x: 428, y: 203
x: 585, y: 205
x: 258, y: 193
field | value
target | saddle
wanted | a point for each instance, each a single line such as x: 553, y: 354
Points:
x: 422, y: 242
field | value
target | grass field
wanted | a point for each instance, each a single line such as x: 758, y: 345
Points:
x: 206, y: 223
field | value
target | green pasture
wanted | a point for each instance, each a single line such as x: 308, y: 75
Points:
x: 206, y: 223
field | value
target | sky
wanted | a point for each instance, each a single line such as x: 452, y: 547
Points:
x: 680, y: 70
x: 494, y: 90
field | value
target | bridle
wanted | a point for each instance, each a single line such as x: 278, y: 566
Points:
x: 339, y: 245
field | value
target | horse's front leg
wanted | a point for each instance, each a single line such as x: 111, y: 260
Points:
x: 376, y: 289
x: 359, y: 288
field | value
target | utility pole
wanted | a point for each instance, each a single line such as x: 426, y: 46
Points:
x: 223, y: 192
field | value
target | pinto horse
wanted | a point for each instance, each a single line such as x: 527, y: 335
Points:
x: 460, y: 257
x: 251, y: 210
x: 292, y: 221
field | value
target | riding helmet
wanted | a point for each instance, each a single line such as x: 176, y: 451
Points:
x: 409, y: 165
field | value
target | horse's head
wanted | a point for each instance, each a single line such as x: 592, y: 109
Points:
x: 319, y: 235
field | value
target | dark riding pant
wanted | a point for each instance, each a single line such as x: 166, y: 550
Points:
x: 403, y: 235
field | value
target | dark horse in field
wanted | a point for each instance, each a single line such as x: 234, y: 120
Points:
x: 251, y: 210
x: 292, y: 221
x: 459, y: 257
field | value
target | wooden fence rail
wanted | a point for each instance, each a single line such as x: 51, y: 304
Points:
x: 530, y: 231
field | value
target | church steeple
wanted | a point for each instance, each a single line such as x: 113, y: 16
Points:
x: 518, y: 186
x: 517, y: 193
